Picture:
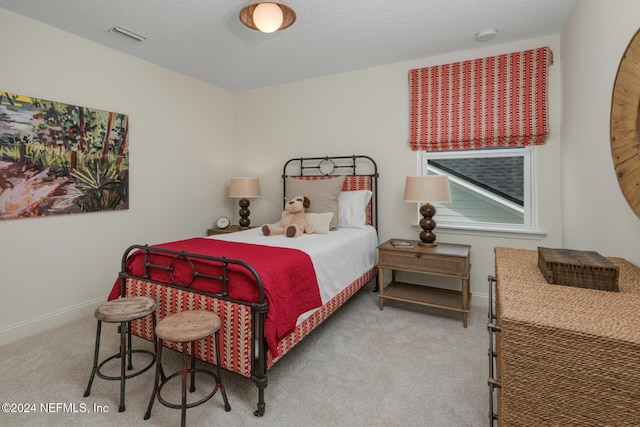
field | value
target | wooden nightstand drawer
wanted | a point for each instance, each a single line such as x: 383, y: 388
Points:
x: 445, y: 258
x: 416, y: 261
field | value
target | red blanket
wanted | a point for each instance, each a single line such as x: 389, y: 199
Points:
x: 288, y: 278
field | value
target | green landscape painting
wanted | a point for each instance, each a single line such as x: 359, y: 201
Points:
x: 57, y: 158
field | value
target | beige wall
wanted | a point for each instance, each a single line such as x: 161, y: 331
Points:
x: 366, y: 112
x: 595, y: 213
x: 188, y: 138
x: 57, y: 268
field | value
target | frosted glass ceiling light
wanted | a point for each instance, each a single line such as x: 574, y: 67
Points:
x: 267, y: 17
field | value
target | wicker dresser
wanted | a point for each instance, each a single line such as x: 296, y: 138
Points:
x: 563, y: 355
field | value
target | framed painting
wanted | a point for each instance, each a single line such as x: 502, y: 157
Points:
x: 58, y: 158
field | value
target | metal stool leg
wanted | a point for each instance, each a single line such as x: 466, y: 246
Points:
x: 227, y: 407
x: 193, y: 367
x: 183, y: 409
x: 95, y: 360
x: 156, y: 342
x: 123, y: 354
x: 130, y: 367
x: 157, y: 377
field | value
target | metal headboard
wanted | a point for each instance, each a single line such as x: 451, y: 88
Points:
x: 335, y: 166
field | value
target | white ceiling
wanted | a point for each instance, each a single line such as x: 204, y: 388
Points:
x: 205, y: 39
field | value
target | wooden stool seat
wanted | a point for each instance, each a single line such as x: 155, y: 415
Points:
x: 187, y: 326
x: 125, y: 309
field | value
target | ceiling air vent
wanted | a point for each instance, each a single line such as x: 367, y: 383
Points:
x: 130, y: 34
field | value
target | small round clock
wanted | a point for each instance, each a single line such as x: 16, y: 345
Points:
x: 223, y: 222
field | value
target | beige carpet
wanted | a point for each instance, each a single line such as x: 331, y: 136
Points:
x: 404, y: 366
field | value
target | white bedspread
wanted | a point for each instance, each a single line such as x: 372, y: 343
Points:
x: 339, y: 257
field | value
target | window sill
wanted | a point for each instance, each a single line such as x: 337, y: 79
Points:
x: 475, y: 230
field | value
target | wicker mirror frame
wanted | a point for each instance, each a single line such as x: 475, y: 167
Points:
x: 625, y: 124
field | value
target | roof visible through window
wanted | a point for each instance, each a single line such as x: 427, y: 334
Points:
x: 502, y: 176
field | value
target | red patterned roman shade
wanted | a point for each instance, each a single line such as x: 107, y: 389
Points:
x: 489, y: 102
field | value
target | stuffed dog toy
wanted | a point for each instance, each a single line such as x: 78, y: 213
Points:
x: 295, y: 222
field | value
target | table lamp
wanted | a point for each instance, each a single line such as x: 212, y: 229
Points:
x: 244, y: 188
x: 425, y: 189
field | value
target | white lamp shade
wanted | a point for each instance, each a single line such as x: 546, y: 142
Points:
x: 244, y: 187
x: 268, y: 17
x: 428, y: 188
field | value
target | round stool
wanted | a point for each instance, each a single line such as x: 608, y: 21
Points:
x: 187, y: 327
x: 123, y: 311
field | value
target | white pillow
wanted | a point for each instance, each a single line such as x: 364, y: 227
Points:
x: 321, y: 222
x: 352, y: 208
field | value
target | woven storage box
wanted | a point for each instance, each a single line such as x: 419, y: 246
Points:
x: 583, y: 269
x: 565, y: 356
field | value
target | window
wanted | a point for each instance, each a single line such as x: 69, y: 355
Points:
x: 491, y: 189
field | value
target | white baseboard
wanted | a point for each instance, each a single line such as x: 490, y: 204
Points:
x: 480, y: 300
x: 32, y: 326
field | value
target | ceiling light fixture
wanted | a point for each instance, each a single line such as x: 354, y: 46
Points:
x: 118, y: 29
x: 267, y: 17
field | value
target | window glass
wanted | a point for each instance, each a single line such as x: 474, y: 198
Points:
x: 489, y: 188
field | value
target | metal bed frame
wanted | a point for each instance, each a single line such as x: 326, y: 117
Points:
x: 304, y: 167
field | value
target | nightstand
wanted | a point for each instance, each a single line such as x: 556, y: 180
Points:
x: 445, y: 259
x: 229, y: 229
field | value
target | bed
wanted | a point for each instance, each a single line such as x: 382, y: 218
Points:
x: 269, y: 291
